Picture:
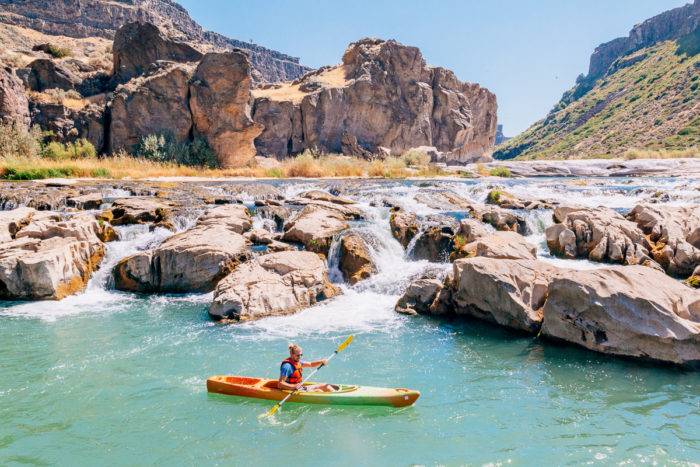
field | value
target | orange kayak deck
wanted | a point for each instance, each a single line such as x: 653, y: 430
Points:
x: 261, y: 388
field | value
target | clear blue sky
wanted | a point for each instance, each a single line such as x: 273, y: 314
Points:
x: 526, y: 51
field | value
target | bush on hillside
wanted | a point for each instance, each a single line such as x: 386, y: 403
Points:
x: 19, y: 142
x: 164, y: 148
x: 80, y: 149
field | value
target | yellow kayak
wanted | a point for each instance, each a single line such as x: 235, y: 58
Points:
x: 261, y: 388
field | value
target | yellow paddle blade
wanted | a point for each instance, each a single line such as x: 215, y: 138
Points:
x: 272, y: 411
x: 342, y: 346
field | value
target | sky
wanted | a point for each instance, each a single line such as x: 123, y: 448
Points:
x: 528, y: 52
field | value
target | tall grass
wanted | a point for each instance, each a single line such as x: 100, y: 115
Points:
x: 662, y: 153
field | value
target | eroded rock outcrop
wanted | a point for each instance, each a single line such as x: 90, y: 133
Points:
x: 498, y: 245
x: 49, y: 258
x: 383, y: 95
x: 274, y: 284
x: 599, y: 234
x: 404, y: 226
x: 631, y: 311
x: 157, y: 103
x: 674, y: 233
x: 125, y: 211
x: 14, y: 106
x: 220, y: 102
x: 138, y: 45
x: 48, y: 74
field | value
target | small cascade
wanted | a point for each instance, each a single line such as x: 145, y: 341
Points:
x: 334, y: 272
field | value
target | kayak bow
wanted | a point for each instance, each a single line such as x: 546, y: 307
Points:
x: 261, y: 388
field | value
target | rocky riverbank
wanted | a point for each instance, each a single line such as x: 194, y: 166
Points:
x: 615, y: 279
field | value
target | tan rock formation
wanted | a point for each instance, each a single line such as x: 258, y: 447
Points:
x: 383, y: 95
x: 153, y: 104
x: 220, y: 102
x: 632, y: 311
x: 14, y: 106
x: 355, y: 259
x: 274, y: 284
x: 314, y: 227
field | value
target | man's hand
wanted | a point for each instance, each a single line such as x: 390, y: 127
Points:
x: 299, y: 386
x: 324, y: 361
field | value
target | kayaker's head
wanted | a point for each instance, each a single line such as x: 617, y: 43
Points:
x: 295, y: 352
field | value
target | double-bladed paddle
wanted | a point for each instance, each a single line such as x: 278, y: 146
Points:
x: 276, y: 407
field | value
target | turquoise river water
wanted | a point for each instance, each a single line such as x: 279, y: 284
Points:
x: 107, y: 378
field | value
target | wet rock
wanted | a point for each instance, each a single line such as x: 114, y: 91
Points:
x: 355, y: 260
x: 274, y: 284
x: 503, y: 291
x: 125, y: 211
x: 154, y: 104
x: 420, y: 296
x: 506, y: 200
x: 192, y: 261
x: 314, y: 227
x: 444, y: 200
x: 499, y: 245
x: 674, y: 233
x: 14, y: 106
x: 260, y: 237
x: 88, y: 201
x: 318, y: 195
x: 234, y: 217
x: 83, y: 227
x: 599, y: 234
x: 435, y: 240
x: 471, y: 229
x: 404, y: 226
x: 348, y: 212
x: 631, y: 311
x: 220, y: 102
x: 138, y: 45
x: 277, y: 214
x: 500, y: 219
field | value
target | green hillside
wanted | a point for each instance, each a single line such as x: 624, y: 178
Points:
x: 648, y: 100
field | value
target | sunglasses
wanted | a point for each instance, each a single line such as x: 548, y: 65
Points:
x: 298, y: 354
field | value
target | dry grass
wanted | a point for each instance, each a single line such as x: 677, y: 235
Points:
x: 69, y: 99
x: 126, y: 167
x: 333, y: 77
x: 662, y: 153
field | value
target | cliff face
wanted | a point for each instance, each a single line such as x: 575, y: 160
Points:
x: 382, y: 98
x: 641, y: 92
x: 101, y: 18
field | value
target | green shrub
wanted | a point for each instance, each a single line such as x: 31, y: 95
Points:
x: 56, y: 51
x: 14, y: 173
x: 80, y: 149
x: 164, y: 148
x: 274, y: 172
x: 694, y: 282
x: 493, y: 197
x: 100, y: 173
x: 500, y: 172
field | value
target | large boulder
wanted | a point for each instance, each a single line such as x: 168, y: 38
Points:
x: 500, y: 219
x: 675, y: 235
x: 314, y: 227
x: 137, y: 45
x: 435, y: 239
x: 383, y: 97
x: 14, y: 106
x: 191, y: 261
x: 126, y: 211
x: 632, y: 311
x: 404, y: 226
x: 220, y: 101
x: 47, y: 74
x: 504, y: 291
x: 153, y: 104
x: 274, y: 284
x: 13, y: 221
x: 50, y: 258
x: 420, y: 297
x: 355, y: 259
x: 599, y: 234
x: 499, y: 245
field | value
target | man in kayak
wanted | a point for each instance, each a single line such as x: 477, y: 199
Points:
x: 291, y: 372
